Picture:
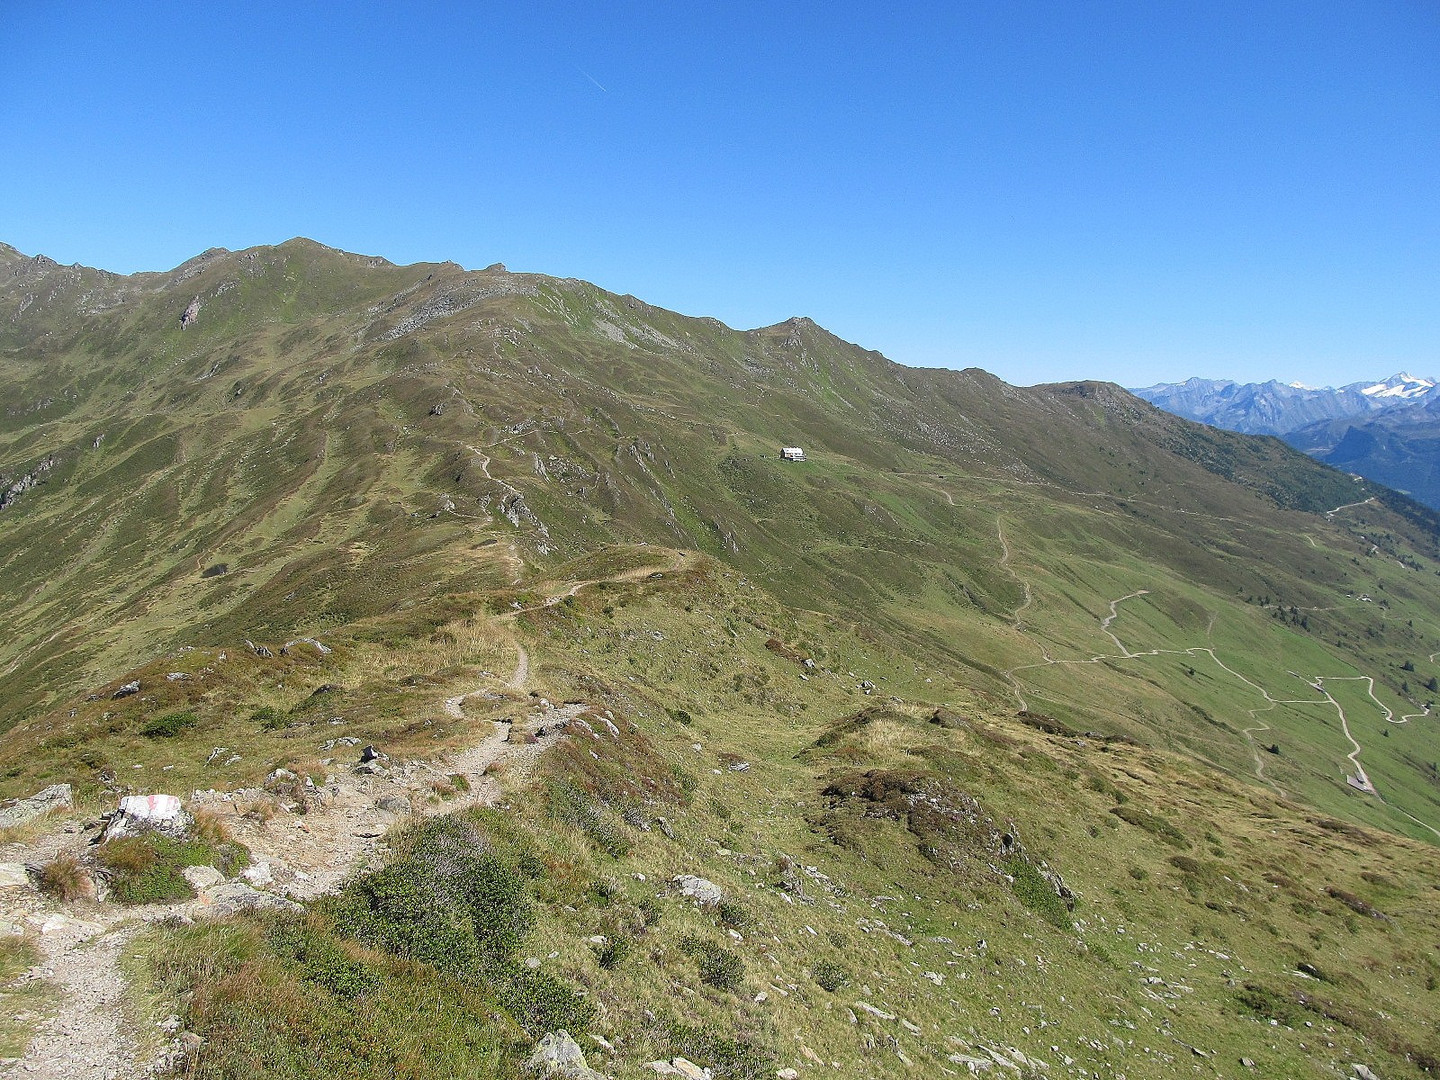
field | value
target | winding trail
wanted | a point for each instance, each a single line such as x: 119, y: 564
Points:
x: 1347, y: 506
x: 1358, y: 780
x: 91, y: 1036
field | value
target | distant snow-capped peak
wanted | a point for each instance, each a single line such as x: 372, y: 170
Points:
x: 1399, y: 386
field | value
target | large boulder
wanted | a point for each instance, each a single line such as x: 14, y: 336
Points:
x: 703, y: 892
x: 558, y: 1055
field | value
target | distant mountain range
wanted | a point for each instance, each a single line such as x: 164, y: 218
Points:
x: 1388, y: 430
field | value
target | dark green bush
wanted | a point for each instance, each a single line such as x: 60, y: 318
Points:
x: 733, y: 914
x: 319, y: 958
x: 830, y: 975
x: 740, y: 1059
x: 169, y: 725
x: 614, y: 952
x: 590, y: 815
x: 450, y: 901
x: 540, y: 1002
x: 1158, y: 826
x: 269, y: 718
x: 719, y: 967
x: 149, y: 868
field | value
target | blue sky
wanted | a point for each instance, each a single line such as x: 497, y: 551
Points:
x: 1130, y: 191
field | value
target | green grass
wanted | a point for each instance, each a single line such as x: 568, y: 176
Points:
x: 953, y: 543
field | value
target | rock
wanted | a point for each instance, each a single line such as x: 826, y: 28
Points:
x: 258, y: 874
x: 881, y: 1014
x: 1362, y: 1072
x: 54, y: 797
x: 323, y: 650
x: 144, y: 813
x: 558, y: 1055
x: 259, y: 650
x: 202, y: 877
x: 689, y: 1069
x: 698, y: 889
x: 190, y: 314
x: 13, y: 875
x: 57, y: 922
x: 128, y: 689
x: 787, y: 1074
x: 665, y: 829
x: 1247, y: 1062
x: 394, y: 804
x: 177, y: 676
x: 230, y: 897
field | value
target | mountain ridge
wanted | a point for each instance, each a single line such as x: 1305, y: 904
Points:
x: 433, y: 511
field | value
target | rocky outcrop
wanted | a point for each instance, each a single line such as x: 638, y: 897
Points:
x: 190, y: 314
x: 10, y: 490
x: 54, y: 797
x: 559, y: 1056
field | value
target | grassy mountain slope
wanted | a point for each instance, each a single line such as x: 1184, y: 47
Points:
x: 389, y: 458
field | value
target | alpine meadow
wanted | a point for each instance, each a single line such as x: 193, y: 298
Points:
x: 526, y: 713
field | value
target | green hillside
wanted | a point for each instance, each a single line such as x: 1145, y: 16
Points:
x: 1045, y: 700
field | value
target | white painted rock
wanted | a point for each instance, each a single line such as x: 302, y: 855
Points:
x: 139, y: 813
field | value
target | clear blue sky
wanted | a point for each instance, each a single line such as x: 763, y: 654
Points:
x: 1132, y: 191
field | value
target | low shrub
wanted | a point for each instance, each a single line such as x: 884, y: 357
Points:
x: 740, y: 1059
x: 269, y: 718
x: 67, y: 878
x: 830, y: 975
x: 613, y: 952
x: 590, y: 815
x: 450, y: 901
x: 1034, y: 891
x: 733, y: 914
x: 148, y: 869
x: 719, y: 967
x: 169, y: 725
x: 539, y: 1002
x: 1156, y: 826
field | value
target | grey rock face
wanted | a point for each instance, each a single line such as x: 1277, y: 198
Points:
x: 54, y: 797
x: 230, y: 897
x: 698, y: 889
x: 558, y: 1055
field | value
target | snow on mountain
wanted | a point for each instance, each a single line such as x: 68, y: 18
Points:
x: 1399, y: 386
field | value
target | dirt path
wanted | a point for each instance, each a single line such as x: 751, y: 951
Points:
x: 1347, y: 506
x: 87, y: 1039
x: 304, y: 839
